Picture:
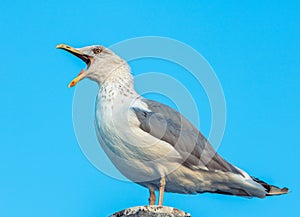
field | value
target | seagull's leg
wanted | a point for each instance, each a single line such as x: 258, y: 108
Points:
x: 161, y: 190
x: 152, y: 197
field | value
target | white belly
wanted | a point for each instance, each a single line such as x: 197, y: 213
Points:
x: 137, y: 155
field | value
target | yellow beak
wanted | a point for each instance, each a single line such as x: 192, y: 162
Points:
x: 86, y: 58
x: 69, y: 49
x: 77, y: 79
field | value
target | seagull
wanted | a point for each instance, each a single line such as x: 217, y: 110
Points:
x: 152, y: 144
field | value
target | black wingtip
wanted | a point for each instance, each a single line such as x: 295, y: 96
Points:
x: 271, y: 189
x: 285, y: 190
x: 277, y: 191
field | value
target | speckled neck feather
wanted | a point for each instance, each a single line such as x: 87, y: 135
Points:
x: 118, y: 82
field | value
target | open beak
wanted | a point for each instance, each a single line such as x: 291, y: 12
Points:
x: 86, y: 58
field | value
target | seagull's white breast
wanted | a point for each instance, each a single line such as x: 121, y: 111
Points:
x: 131, y: 149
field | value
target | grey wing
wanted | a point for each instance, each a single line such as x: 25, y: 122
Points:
x: 165, y: 123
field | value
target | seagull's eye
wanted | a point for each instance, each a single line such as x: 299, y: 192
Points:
x: 97, y: 50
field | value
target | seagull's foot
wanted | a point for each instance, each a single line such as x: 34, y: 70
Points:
x: 152, y: 197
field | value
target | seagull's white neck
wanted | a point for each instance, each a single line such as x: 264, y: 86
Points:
x: 118, y: 82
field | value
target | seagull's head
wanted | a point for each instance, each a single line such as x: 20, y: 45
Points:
x: 100, y: 62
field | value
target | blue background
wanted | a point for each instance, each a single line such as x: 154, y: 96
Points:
x: 253, y: 48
